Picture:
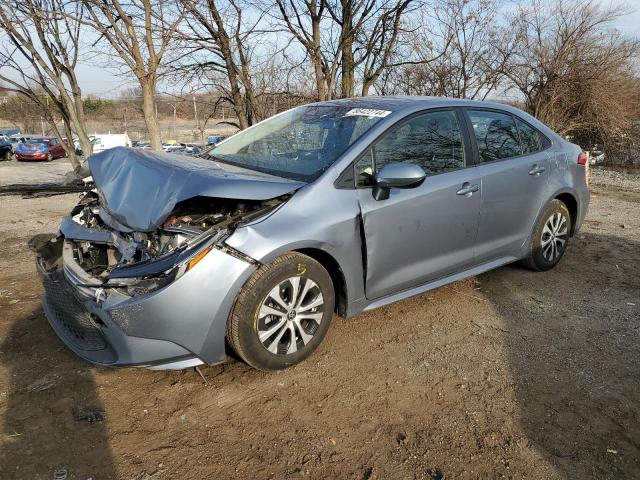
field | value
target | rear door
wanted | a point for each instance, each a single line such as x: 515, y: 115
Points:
x: 427, y: 232
x: 513, y: 166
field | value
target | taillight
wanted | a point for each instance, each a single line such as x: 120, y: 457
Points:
x: 582, y: 158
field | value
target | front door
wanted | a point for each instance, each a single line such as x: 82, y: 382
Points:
x: 427, y: 232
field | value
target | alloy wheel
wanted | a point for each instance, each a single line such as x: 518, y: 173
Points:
x: 290, y: 315
x: 554, y: 236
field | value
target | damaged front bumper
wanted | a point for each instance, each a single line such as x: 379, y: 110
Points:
x: 179, y: 325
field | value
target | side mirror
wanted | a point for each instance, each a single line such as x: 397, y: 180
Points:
x: 397, y: 175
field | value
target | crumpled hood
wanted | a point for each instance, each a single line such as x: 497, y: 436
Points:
x: 139, y: 188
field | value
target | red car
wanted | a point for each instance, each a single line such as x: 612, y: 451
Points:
x: 39, y: 149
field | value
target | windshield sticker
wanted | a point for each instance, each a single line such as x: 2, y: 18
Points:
x: 367, y: 112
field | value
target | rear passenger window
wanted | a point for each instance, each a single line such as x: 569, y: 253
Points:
x: 496, y: 135
x: 432, y: 140
x: 529, y: 137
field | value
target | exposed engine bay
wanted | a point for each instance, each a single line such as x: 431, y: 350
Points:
x: 105, y: 249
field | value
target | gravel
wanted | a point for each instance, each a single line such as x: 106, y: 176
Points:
x: 601, y: 177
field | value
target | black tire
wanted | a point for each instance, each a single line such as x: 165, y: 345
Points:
x: 542, y: 255
x: 246, y: 321
x: 6, y: 155
x: 49, y: 157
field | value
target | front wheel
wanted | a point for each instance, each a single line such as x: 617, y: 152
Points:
x: 282, y: 313
x: 550, y: 237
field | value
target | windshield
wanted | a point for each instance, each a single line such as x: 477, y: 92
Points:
x: 299, y: 144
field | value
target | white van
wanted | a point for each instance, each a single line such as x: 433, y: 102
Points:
x: 109, y: 140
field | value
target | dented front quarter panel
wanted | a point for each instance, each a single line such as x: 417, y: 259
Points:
x: 191, y: 311
x: 331, y: 225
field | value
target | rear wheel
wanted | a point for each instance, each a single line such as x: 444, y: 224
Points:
x: 550, y: 237
x: 282, y: 313
x: 49, y: 157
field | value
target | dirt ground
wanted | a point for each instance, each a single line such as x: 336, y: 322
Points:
x: 14, y: 172
x: 511, y: 374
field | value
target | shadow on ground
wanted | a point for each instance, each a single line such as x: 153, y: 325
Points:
x: 54, y: 422
x: 574, y: 348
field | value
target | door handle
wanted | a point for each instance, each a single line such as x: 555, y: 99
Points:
x: 536, y: 170
x: 468, y: 189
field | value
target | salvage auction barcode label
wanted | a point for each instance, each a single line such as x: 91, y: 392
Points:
x: 367, y: 112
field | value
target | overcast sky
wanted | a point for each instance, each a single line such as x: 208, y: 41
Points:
x: 629, y: 24
x: 97, y: 80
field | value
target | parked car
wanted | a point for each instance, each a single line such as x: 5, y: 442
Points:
x: 334, y: 207
x: 142, y: 144
x: 43, y: 148
x: 173, y: 148
x: 105, y: 141
x: 194, y: 150
x: 184, y: 149
x: 6, y: 148
x: 15, y: 140
x: 215, y: 139
x: 8, y: 132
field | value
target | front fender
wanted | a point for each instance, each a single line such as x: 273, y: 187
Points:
x: 332, y: 225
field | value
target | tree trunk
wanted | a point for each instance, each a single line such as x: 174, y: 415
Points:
x: 250, y: 98
x: 347, y: 50
x: 70, y: 147
x: 316, y: 58
x: 320, y: 83
x: 72, y: 107
x: 149, y: 111
x: 81, y: 124
x: 366, y: 85
x: 347, y: 70
x: 236, y: 94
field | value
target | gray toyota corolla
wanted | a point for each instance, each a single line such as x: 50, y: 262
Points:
x: 334, y: 207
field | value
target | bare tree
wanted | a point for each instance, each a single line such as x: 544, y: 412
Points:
x: 379, y: 42
x: 459, y: 49
x: 573, y: 71
x: 305, y: 19
x: 368, y: 33
x: 350, y: 41
x: 139, y: 33
x: 43, y: 50
x: 221, y: 38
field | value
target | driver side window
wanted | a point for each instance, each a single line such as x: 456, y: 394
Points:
x: 431, y: 140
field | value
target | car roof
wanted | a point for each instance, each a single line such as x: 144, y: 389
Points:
x: 405, y: 105
x: 408, y: 102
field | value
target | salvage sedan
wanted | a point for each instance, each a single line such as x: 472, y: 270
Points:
x: 334, y: 207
